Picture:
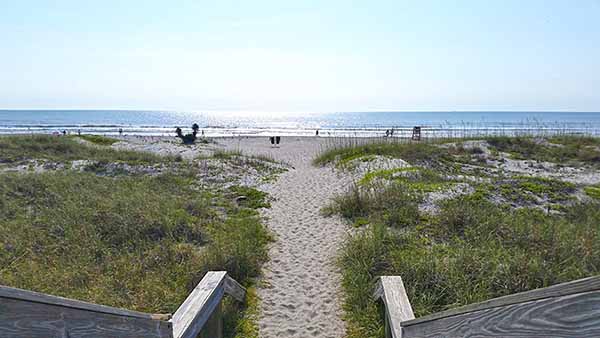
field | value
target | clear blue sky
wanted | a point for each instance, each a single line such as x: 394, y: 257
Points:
x: 301, y: 56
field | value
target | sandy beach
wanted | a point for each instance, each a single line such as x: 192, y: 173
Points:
x: 299, y: 293
x: 300, y: 288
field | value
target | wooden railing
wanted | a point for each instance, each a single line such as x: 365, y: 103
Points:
x: 32, y: 315
x: 565, y: 310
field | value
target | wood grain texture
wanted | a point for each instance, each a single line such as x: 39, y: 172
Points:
x: 24, y: 318
x: 195, y: 311
x: 576, y: 315
x: 390, y: 289
x: 564, y: 289
x: 214, y: 326
x: 234, y: 289
x: 36, y: 297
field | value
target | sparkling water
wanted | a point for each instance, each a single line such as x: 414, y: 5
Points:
x: 359, y: 124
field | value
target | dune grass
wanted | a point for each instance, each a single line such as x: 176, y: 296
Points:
x: 418, y: 153
x: 140, y: 242
x: 60, y: 148
x: 476, y: 247
x: 99, y: 140
x: 472, y: 251
x: 563, y: 149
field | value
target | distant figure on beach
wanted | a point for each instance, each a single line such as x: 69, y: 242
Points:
x: 317, y: 132
x: 277, y: 139
x: 272, y: 140
x: 392, y: 132
x: 416, y: 135
x: 64, y: 132
x: 79, y: 132
x: 387, y: 133
x: 120, y: 131
x: 188, y: 138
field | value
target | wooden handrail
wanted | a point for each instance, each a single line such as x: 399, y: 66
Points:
x: 390, y: 289
x: 200, y: 306
x: 31, y: 314
x: 564, y: 310
x: 36, y: 315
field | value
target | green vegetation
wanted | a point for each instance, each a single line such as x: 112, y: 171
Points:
x: 99, y: 140
x: 528, y: 189
x: 473, y: 250
x: 386, y: 174
x: 395, y: 205
x: 242, y: 324
x: 593, y: 191
x: 512, y: 234
x: 139, y: 242
x: 59, y: 148
x: 249, y: 197
x: 564, y: 149
x: 416, y: 153
x: 416, y: 179
x: 260, y: 163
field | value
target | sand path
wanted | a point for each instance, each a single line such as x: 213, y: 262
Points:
x: 300, y: 293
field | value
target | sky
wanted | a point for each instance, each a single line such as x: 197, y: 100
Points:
x: 276, y: 55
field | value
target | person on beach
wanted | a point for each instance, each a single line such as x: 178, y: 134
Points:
x: 120, y: 131
x: 272, y: 139
x: 317, y: 132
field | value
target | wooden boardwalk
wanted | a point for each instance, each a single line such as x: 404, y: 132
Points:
x: 35, y: 315
x: 565, y: 310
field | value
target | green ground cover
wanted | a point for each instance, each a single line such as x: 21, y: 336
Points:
x: 139, y: 242
x: 60, y: 148
x: 511, y: 234
x: 563, y: 150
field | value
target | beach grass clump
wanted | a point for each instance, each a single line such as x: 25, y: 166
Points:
x: 14, y: 149
x: 98, y: 140
x: 417, y: 179
x: 241, y: 322
x: 137, y: 242
x: 473, y: 250
x: 262, y: 163
x: 249, y: 197
x: 593, y: 191
x: 395, y: 204
x: 559, y: 149
x: 386, y: 174
x: 414, y: 153
x: 533, y: 189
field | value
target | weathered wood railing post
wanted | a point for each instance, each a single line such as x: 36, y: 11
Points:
x: 565, y: 310
x: 214, y: 325
x: 27, y: 314
x: 390, y: 289
x: 36, y: 315
x: 200, y: 312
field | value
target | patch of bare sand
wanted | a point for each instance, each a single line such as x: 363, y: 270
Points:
x: 300, y: 294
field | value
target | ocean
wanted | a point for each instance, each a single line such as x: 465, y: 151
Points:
x: 358, y: 124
